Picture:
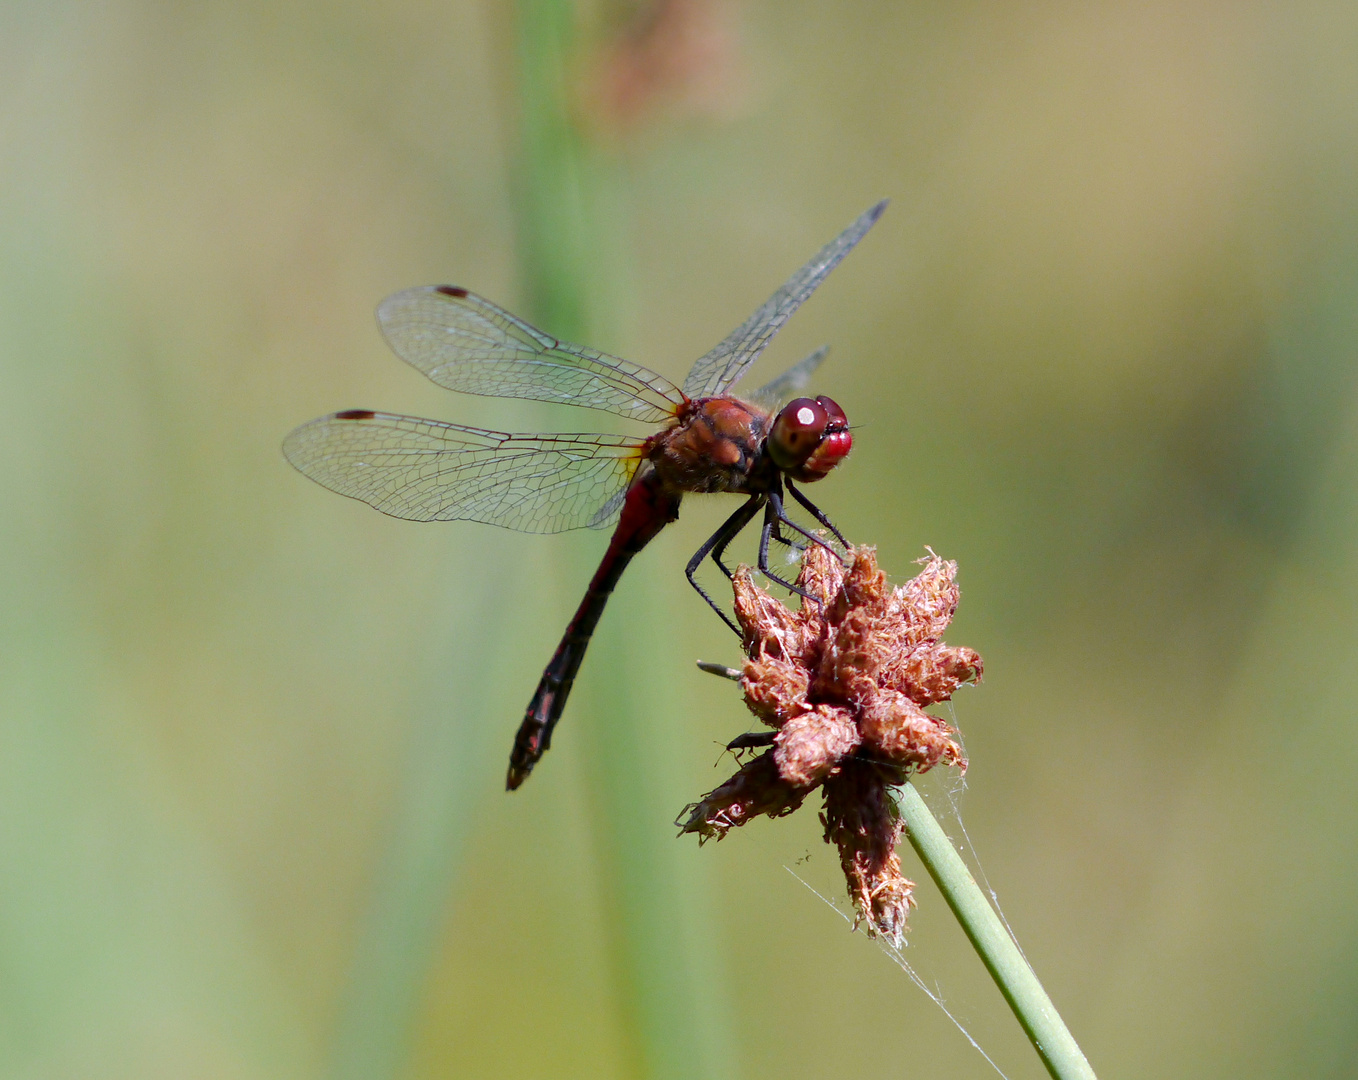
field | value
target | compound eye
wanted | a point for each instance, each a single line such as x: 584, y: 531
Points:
x: 833, y: 412
x: 798, y: 431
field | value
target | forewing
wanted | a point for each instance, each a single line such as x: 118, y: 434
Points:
x: 777, y: 392
x: 466, y: 343
x: 426, y: 470
x: 716, y: 372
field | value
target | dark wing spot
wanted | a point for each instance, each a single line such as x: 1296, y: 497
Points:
x: 452, y: 290
x: 355, y: 414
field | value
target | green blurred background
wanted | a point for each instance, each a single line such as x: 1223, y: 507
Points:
x: 1101, y: 350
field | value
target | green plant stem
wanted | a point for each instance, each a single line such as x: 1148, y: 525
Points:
x: 1016, y: 980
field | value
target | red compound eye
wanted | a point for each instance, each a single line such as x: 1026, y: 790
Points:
x: 833, y: 412
x: 797, y: 432
x: 834, y: 446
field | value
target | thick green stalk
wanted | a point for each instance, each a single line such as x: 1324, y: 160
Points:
x: 1016, y: 980
x: 669, y: 986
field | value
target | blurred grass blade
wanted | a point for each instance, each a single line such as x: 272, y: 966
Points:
x: 669, y: 986
x: 435, y: 810
x: 554, y: 255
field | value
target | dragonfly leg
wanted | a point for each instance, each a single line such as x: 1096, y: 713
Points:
x: 716, y: 546
x: 720, y: 549
x: 815, y: 512
x: 809, y: 535
x: 773, y: 514
x: 777, y: 535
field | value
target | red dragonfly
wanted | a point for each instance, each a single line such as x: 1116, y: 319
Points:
x: 428, y: 470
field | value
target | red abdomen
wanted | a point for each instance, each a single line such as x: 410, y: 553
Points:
x: 648, y: 508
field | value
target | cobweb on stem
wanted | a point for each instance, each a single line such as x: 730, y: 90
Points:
x: 897, y: 955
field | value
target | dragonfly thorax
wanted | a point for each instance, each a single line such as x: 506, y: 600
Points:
x: 716, y: 445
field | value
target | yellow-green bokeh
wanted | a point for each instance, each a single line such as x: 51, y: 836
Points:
x: 1100, y: 350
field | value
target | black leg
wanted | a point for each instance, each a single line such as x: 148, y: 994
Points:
x: 782, y: 517
x: 815, y: 512
x: 720, y: 548
x: 773, y: 514
x: 777, y: 534
x: 718, y: 541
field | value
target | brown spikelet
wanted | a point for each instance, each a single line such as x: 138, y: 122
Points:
x: 851, y: 658
x: 770, y: 628
x: 775, y: 689
x: 756, y: 789
x: 860, y: 819
x: 810, y: 747
x: 932, y: 672
x: 897, y: 730
x: 676, y: 56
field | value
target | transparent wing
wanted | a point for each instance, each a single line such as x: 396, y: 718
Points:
x: 716, y: 372
x: 426, y: 470
x: 777, y: 392
x: 466, y: 343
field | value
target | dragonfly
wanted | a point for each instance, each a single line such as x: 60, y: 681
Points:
x: 707, y: 441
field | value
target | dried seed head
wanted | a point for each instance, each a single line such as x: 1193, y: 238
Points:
x: 897, y: 730
x: 821, y: 575
x: 676, y: 56
x: 756, y: 789
x: 775, y: 689
x: 810, y: 747
x: 853, y: 655
x: 928, y: 601
x: 931, y: 672
x: 860, y: 819
x: 864, y: 586
x: 845, y: 680
x: 770, y: 628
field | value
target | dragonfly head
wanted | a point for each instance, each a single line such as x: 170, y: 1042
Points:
x: 810, y: 436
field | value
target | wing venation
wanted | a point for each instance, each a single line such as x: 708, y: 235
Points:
x: 428, y: 470
x: 464, y: 342
x: 719, y: 370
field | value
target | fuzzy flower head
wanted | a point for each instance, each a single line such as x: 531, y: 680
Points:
x: 844, y: 682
